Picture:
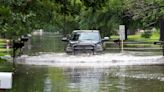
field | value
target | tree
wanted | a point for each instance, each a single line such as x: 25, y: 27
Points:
x: 102, y: 15
x: 22, y: 16
x: 19, y: 17
x: 148, y: 12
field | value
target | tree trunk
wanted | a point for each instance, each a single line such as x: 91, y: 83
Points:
x: 126, y: 31
x: 161, y: 29
x: 125, y: 21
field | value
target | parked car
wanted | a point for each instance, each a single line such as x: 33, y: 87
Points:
x: 85, y: 41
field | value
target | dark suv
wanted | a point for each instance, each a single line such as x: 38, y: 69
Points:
x: 85, y: 41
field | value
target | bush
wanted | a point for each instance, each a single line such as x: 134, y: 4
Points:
x: 146, y: 34
x: 2, y: 60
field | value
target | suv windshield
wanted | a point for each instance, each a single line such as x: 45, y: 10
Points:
x: 93, y: 36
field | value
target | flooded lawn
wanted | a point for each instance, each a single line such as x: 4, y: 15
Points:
x: 113, y: 79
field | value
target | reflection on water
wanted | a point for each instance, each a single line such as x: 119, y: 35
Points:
x: 113, y: 79
x: 47, y: 85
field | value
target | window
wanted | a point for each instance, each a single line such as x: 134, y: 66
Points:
x: 93, y: 36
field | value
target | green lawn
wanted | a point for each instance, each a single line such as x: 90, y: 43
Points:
x: 2, y: 54
x: 137, y: 37
x: 4, y: 66
x: 2, y: 40
x: 2, y: 49
x: 1, y: 43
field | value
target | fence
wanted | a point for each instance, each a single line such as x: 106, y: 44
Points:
x: 5, y: 46
x: 133, y: 46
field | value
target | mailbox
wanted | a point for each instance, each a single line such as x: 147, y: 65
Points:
x: 5, y: 80
x: 18, y: 45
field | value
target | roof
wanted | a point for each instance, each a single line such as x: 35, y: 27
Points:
x: 85, y: 31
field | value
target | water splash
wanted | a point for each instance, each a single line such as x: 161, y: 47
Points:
x: 103, y: 60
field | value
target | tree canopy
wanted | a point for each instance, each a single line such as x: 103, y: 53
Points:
x: 19, y: 17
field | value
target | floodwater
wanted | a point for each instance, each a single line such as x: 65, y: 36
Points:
x: 46, y: 68
x: 113, y: 79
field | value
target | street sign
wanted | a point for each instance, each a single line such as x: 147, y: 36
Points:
x: 122, y: 36
x: 5, y: 80
x: 122, y: 32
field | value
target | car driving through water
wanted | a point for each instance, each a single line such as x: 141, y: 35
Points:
x: 85, y: 41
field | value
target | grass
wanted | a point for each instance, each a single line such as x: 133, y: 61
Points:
x: 155, y: 35
x: 2, y: 43
x: 141, y: 45
x: 3, y: 51
x: 137, y: 37
x: 147, y: 42
x: 2, y: 54
x: 2, y: 40
x: 4, y: 66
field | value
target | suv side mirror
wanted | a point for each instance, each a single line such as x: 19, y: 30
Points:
x: 65, y: 39
x: 105, y: 39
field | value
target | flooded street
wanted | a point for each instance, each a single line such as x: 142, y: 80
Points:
x: 81, y: 45
x: 114, y: 79
x: 46, y: 68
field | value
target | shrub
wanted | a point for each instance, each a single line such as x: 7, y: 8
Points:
x: 146, y: 34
